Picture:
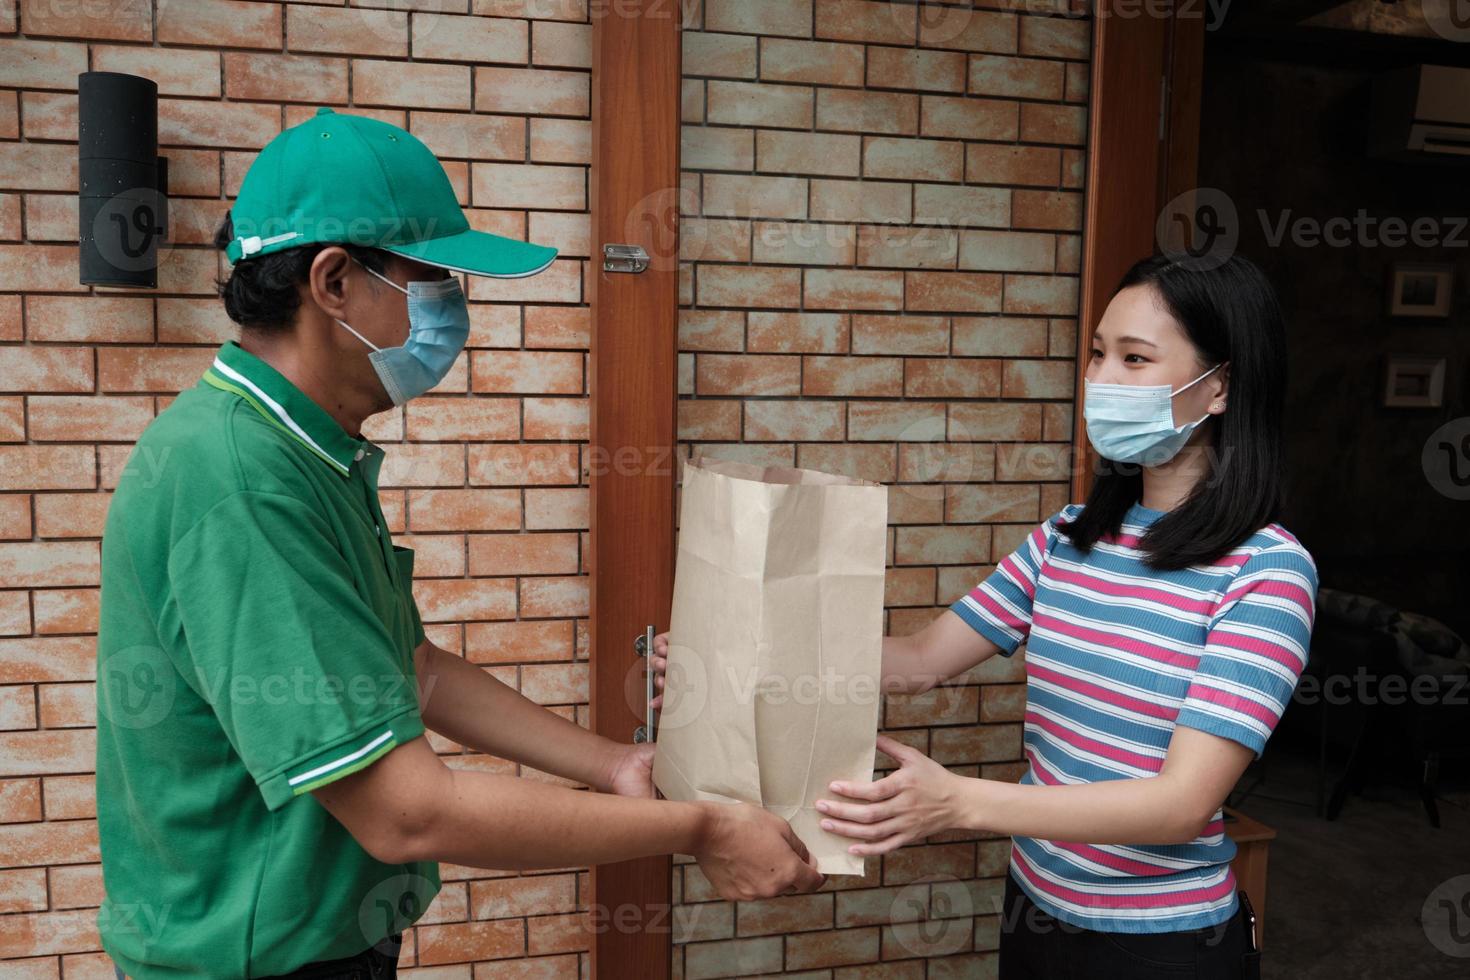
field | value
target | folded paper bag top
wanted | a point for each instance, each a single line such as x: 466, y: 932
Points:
x: 775, y: 643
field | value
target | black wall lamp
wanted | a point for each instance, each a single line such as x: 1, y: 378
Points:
x: 123, y: 197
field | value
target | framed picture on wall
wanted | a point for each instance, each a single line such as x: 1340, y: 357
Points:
x: 1420, y: 289
x: 1414, y: 382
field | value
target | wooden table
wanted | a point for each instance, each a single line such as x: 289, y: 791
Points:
x: 1252, y: 839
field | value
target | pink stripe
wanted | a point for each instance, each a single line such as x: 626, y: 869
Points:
x: 1043, y: 775
x: 1281, y: 590
x: 1128, y: 644
x: 1221, y: 637
x: 1099, y: 693
x: 1092, y: 745
x: 1283, y: 532
x: 1018, y: 574
x: 1116, y: 862
x: 1200, y: 691
x: 1103, y: 586
x: 983, y: 597
x: 1131, y: 541
x: 1141, y: 900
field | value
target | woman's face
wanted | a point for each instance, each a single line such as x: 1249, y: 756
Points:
x: 1139, y: 342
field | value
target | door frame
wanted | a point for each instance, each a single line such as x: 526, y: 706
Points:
x: 632, y: 443
x: 1142, y: 153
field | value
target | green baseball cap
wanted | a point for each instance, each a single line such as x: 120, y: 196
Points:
x: 353, y: 180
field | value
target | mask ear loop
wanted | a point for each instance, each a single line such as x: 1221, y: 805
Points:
x: 389, y: 282
x: 359, y: 336
x: 385, y: 279
x: 402, y: 406
x: 1197, y: 381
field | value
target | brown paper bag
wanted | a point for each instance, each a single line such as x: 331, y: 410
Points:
x: 775, y: 643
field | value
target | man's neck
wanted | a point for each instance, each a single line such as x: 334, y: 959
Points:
x: 308, y: 368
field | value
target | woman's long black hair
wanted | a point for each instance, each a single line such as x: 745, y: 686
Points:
x: 1230, y: 313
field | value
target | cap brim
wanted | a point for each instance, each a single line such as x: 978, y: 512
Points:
x: 479, y: 253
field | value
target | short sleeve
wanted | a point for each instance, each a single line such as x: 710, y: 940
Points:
x: 999, y: 608
x: 418, y: 623
x: 304, y: 678
x: 1256, y: 648
x: 405, y: 575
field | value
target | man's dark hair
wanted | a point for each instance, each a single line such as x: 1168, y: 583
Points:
x: 262, y: 292
x: 1230, y: 313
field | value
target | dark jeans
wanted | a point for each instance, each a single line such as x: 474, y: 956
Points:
x: 1036, y: 946
x: 379, y: 962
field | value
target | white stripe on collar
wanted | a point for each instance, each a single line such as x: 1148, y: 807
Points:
x: 276, y: 408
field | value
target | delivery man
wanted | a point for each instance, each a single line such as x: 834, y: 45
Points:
x: 267, y: 802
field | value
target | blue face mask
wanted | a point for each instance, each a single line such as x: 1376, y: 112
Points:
x: 1135, y: 423
x: 438, y: 327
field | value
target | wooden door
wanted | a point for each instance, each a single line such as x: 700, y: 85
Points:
x: 1142, y: 150
x: 635, y: 177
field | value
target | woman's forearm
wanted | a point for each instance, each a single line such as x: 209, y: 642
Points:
x: 946, y: 648
x: 1150, y: 810
x: 903, y: 666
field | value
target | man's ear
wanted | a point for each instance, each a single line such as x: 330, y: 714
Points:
x: 328, y: 283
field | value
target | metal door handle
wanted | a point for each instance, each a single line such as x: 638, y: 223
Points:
x: 644, y: 646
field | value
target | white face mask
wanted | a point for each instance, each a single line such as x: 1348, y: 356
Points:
x: 1135, y: 423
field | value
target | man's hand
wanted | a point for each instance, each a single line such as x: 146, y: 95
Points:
x: 659, y: 664
x: 750, y: 853
x: 918, y: 800
x: 630, y: 771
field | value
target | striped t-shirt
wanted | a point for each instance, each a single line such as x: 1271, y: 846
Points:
x: 1117, y: 654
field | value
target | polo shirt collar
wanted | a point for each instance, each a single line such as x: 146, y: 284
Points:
x: 285, y: 405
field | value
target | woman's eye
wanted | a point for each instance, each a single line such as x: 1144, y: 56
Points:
x: 1096, y: 353
x: 1128, y: 359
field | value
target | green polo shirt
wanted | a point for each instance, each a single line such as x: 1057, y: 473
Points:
x: 256, y: 643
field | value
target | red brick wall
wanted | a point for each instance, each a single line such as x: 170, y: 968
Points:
x: 488, y: 487
x: 915, y: 328
x: 882, y: 206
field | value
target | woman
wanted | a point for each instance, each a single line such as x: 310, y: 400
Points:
x: 1166, y: 623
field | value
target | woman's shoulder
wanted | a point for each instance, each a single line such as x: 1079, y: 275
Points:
x: 1274, y: 547
x: 1056, y: 524
x: 1068, y: 513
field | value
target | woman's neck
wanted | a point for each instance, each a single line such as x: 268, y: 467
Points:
x: 1167, y: 485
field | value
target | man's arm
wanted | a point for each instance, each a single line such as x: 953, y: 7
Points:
x: 461, y: 701
x: 409, y: 806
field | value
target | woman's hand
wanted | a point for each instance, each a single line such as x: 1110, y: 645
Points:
x: 659, y: 663
x: 920, y: 798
